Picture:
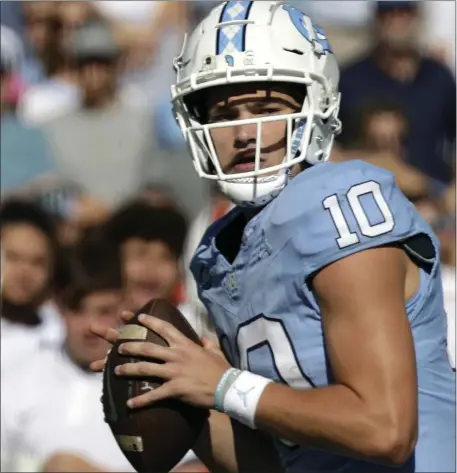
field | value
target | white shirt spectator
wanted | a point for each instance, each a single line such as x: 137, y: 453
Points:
x: 448, y: 277
x: 51, y: 100
x: 49, y: 405
x: 19, y: 342
x: 47, y: 101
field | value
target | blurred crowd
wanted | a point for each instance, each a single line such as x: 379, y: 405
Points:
x: 101, y: 208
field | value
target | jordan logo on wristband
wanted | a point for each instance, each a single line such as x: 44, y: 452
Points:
x: 243, y: 394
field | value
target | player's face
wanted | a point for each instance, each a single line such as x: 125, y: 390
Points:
x: 26, y: 265
x: 100, y: 307
x: 150, y: 269
x: 236, y: 145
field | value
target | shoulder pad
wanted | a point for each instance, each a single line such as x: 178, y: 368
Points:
x: 335, y: 209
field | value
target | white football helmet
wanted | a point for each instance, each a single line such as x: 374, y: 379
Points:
x: 259, y: 41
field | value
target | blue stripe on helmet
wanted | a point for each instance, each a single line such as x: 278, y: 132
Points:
x: 232, y: 39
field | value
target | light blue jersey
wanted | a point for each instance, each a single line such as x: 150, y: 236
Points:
x: 267, y: 317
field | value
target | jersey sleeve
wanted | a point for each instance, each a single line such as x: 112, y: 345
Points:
x: 353, y: 208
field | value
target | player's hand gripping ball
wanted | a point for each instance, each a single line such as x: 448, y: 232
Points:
x: 156, y: 437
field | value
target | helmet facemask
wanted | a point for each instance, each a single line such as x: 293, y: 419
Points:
x: 244, y: 43
x: 304, y: 135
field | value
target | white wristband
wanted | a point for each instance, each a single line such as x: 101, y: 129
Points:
x: 241, y: 399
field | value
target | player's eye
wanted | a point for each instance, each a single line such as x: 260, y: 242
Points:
x: 267, y: 110
x: 222, y: 116
x: 270, y: 110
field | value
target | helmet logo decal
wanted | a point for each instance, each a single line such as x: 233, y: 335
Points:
x: 300, y: 21
x: 229, y: 60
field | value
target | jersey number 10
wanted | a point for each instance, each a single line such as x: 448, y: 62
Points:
x: 348, y: 238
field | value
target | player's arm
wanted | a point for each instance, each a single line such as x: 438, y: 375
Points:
x: 226, y: 445
x: 229, y: 446
x: 370, y: 411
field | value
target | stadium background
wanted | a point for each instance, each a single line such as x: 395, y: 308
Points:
x: 90, y: 151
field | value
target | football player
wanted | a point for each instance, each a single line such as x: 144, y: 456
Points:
x: 323, y: 282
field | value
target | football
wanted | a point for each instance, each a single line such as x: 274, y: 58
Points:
x: 154, y: 438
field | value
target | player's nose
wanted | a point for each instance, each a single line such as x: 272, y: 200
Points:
x: 245, y: 134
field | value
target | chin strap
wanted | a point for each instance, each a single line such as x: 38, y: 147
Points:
x: 263, y: 200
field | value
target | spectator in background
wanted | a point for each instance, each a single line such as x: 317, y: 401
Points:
x: 28, y: 164
x: 51, y: 402
x: 53, y: 90
x: 346, y: 24
x: 12, y: 52
x: 29, y: 256
x: 105, y: 146
x: 37, y: 25
x: 69, y: 207
x: 25, y: 154
x: 48, y: 70
x: 395, y: 70
x: 10, y: 14
x: 152, y: 33
x: 96, y: 54
x: 74, y: 14
x: 379, y: 137
x: 150, y: 241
